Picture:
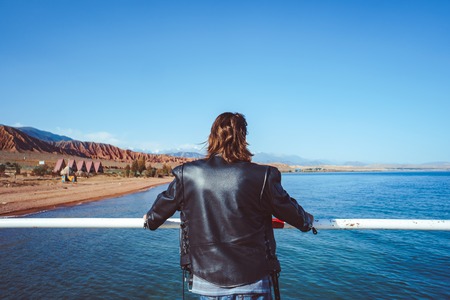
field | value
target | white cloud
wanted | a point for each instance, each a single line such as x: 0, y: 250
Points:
x: 102, y: 137
x: 97, y: 137
x: 69, y: 132
x: 191, y: 147
x: 142, y: 146
x: 158, y: 148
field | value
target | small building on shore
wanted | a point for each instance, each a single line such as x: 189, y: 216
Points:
x: 72, y: 164
x: 90, y: 166
x: 98, y: 167
x: 60, y: 165
x: 81, y: 166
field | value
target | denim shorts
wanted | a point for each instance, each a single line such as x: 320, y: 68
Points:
x: 267, y: 296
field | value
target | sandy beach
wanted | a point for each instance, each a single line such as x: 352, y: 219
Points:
x: 20, y: 196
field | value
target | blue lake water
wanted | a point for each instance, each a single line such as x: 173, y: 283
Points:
x: 335, y: 264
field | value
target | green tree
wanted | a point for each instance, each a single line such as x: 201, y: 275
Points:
x: 159, y: 173
x: 141, y: 165
x: 17, y: 167
x: 127, y: 171
x: 150, y: 171
x: 134, y: 167
x: 166, y: 170
x: 40, y: 170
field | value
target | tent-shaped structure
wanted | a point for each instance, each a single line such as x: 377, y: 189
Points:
x: 71, y: 164
x: 98, y: 167
x: 81, y: 166
x: 60, y: 165
x: 90, y: 166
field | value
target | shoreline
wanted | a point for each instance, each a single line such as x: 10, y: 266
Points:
x: 24, y: 196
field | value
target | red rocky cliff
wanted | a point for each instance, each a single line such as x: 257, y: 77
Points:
x: 14, y: 140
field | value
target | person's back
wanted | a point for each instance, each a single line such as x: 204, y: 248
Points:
x: 228, y: 222
x: 226, y: 204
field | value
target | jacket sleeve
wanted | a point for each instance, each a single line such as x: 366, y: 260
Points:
x: 165, y: 205
x: 283, y: 206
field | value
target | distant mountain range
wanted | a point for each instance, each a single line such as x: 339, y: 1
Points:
x: 22, y: 139
x: 287, y: 159
x: 193, y: 155
x: 44, y: 135
x: 34, y: 140
x: 264, y: 158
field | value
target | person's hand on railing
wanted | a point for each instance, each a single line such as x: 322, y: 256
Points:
x: 145, y: 221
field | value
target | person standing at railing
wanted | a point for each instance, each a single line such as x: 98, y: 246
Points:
x: 226, y: 205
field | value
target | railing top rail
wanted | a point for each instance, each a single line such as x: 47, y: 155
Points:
x: 320, y: 224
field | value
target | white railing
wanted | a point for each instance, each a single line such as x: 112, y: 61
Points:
x: 324, y: 224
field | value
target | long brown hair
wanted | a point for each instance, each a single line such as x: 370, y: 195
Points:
x: 228, y: 138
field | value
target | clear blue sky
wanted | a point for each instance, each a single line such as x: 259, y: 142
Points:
x: 340, y: 80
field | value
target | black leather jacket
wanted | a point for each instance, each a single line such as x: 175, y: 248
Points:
x: 226, y: 213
